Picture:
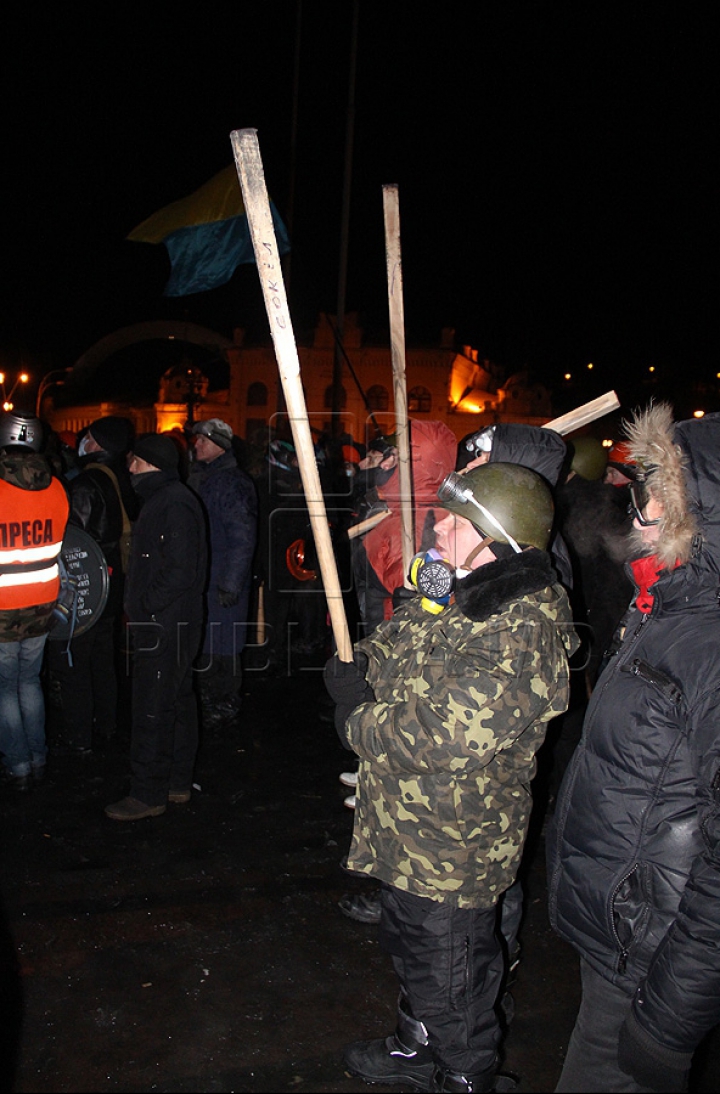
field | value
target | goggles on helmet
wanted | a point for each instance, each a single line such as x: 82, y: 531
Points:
x: 639, y: 498
x: 481, y: 441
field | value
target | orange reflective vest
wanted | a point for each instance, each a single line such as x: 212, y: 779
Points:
x: 32, y: 526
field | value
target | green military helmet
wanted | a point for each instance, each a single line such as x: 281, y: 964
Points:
x: 589, y: 458
x: 510, y: 503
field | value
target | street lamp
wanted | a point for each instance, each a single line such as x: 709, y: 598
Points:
x: 49, y: 380
x: 22, y: 378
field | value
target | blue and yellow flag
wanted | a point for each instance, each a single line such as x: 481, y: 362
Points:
x: 207, y: 235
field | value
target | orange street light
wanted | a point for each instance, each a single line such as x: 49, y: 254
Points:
x: 22, y: 378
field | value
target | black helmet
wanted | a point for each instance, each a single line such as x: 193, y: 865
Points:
x: 510, y: 503
x: 20, y: 430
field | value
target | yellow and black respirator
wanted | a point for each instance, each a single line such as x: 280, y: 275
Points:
x: 434, y: 577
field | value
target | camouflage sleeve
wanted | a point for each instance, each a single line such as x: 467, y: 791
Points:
x: 459, y: 708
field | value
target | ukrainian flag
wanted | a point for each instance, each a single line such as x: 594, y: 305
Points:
x: 207, y: 235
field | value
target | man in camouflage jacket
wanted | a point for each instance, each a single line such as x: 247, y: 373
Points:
x: 446, y: 712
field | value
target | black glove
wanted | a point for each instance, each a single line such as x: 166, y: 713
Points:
x: 648, y: 1062
x: 226, y: 598
x: 401, y: 595
x: 346, y: 684
x: 345, y: 680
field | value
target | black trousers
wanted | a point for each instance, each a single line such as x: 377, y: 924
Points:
x: 84, y: 693
x: 450, y: 965
x: 164, y: 738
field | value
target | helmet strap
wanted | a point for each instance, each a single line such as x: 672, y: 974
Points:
x: 493, y: 521
x: 485, y: 542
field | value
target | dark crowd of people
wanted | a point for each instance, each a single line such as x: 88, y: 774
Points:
x: 562, y: 600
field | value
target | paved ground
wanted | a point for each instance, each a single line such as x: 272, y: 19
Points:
x: 203, y: 950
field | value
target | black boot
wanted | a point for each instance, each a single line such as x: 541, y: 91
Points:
x: 403, y: 1057
x: 452, y: 1082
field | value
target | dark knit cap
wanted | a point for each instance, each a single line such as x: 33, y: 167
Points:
x: 113, y: 434
x: 159, y: 450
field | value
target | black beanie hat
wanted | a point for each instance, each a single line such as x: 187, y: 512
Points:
x: 113, y: 434
x: 160, y: 451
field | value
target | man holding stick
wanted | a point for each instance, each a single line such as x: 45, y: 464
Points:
x: 446, y: 709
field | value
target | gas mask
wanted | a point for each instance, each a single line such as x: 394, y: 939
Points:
x: 433, y: 577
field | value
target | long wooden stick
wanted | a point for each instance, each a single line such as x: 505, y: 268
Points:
x: 369, y: 523
x: 391, y: 210
x: 583, y: 415
x: 257, y: 206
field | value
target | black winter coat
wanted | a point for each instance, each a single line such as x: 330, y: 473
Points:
x: 229, y: 499
x: 168, y: 554
x: 634, y: 847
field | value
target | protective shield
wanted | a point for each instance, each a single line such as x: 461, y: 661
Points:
x: 84, y: 585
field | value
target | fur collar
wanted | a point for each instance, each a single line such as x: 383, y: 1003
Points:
x: 486, y: 590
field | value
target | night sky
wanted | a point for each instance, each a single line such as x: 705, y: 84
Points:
x: 555, y: 165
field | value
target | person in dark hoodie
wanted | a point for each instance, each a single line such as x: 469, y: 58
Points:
x: 634, y: 847
x: 164, y: 607
x: 446, y: 710
x: 542, y: 450
x: 596, y: 526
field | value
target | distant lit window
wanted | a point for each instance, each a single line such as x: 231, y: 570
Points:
x: 419, y: 400
x: 378, y: 397
x: 329, y: 397
x: 257, y: 395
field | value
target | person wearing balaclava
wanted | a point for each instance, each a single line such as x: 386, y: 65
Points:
x: 83, y: 687
x: 164, y: 608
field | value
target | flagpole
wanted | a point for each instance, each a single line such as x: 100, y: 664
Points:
x: 344, y: 227
x: 257, y: 206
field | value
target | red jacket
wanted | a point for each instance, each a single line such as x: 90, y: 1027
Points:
x: 433, y: 449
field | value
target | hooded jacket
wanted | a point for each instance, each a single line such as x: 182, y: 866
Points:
x: 447, y: 747
x: 537, y: 448
x: 634, y: 848
x: 432, y: 453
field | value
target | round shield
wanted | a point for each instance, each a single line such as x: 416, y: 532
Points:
x: 84, y: 585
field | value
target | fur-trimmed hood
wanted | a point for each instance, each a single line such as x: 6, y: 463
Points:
x: 682, y: 462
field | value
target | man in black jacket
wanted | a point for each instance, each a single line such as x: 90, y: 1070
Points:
x: 634, y: 852
x: 230, y: 503
x: 164, y: 607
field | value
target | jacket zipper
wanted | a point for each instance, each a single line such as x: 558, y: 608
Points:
x: 622, y: 657
x: 654, y: 676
